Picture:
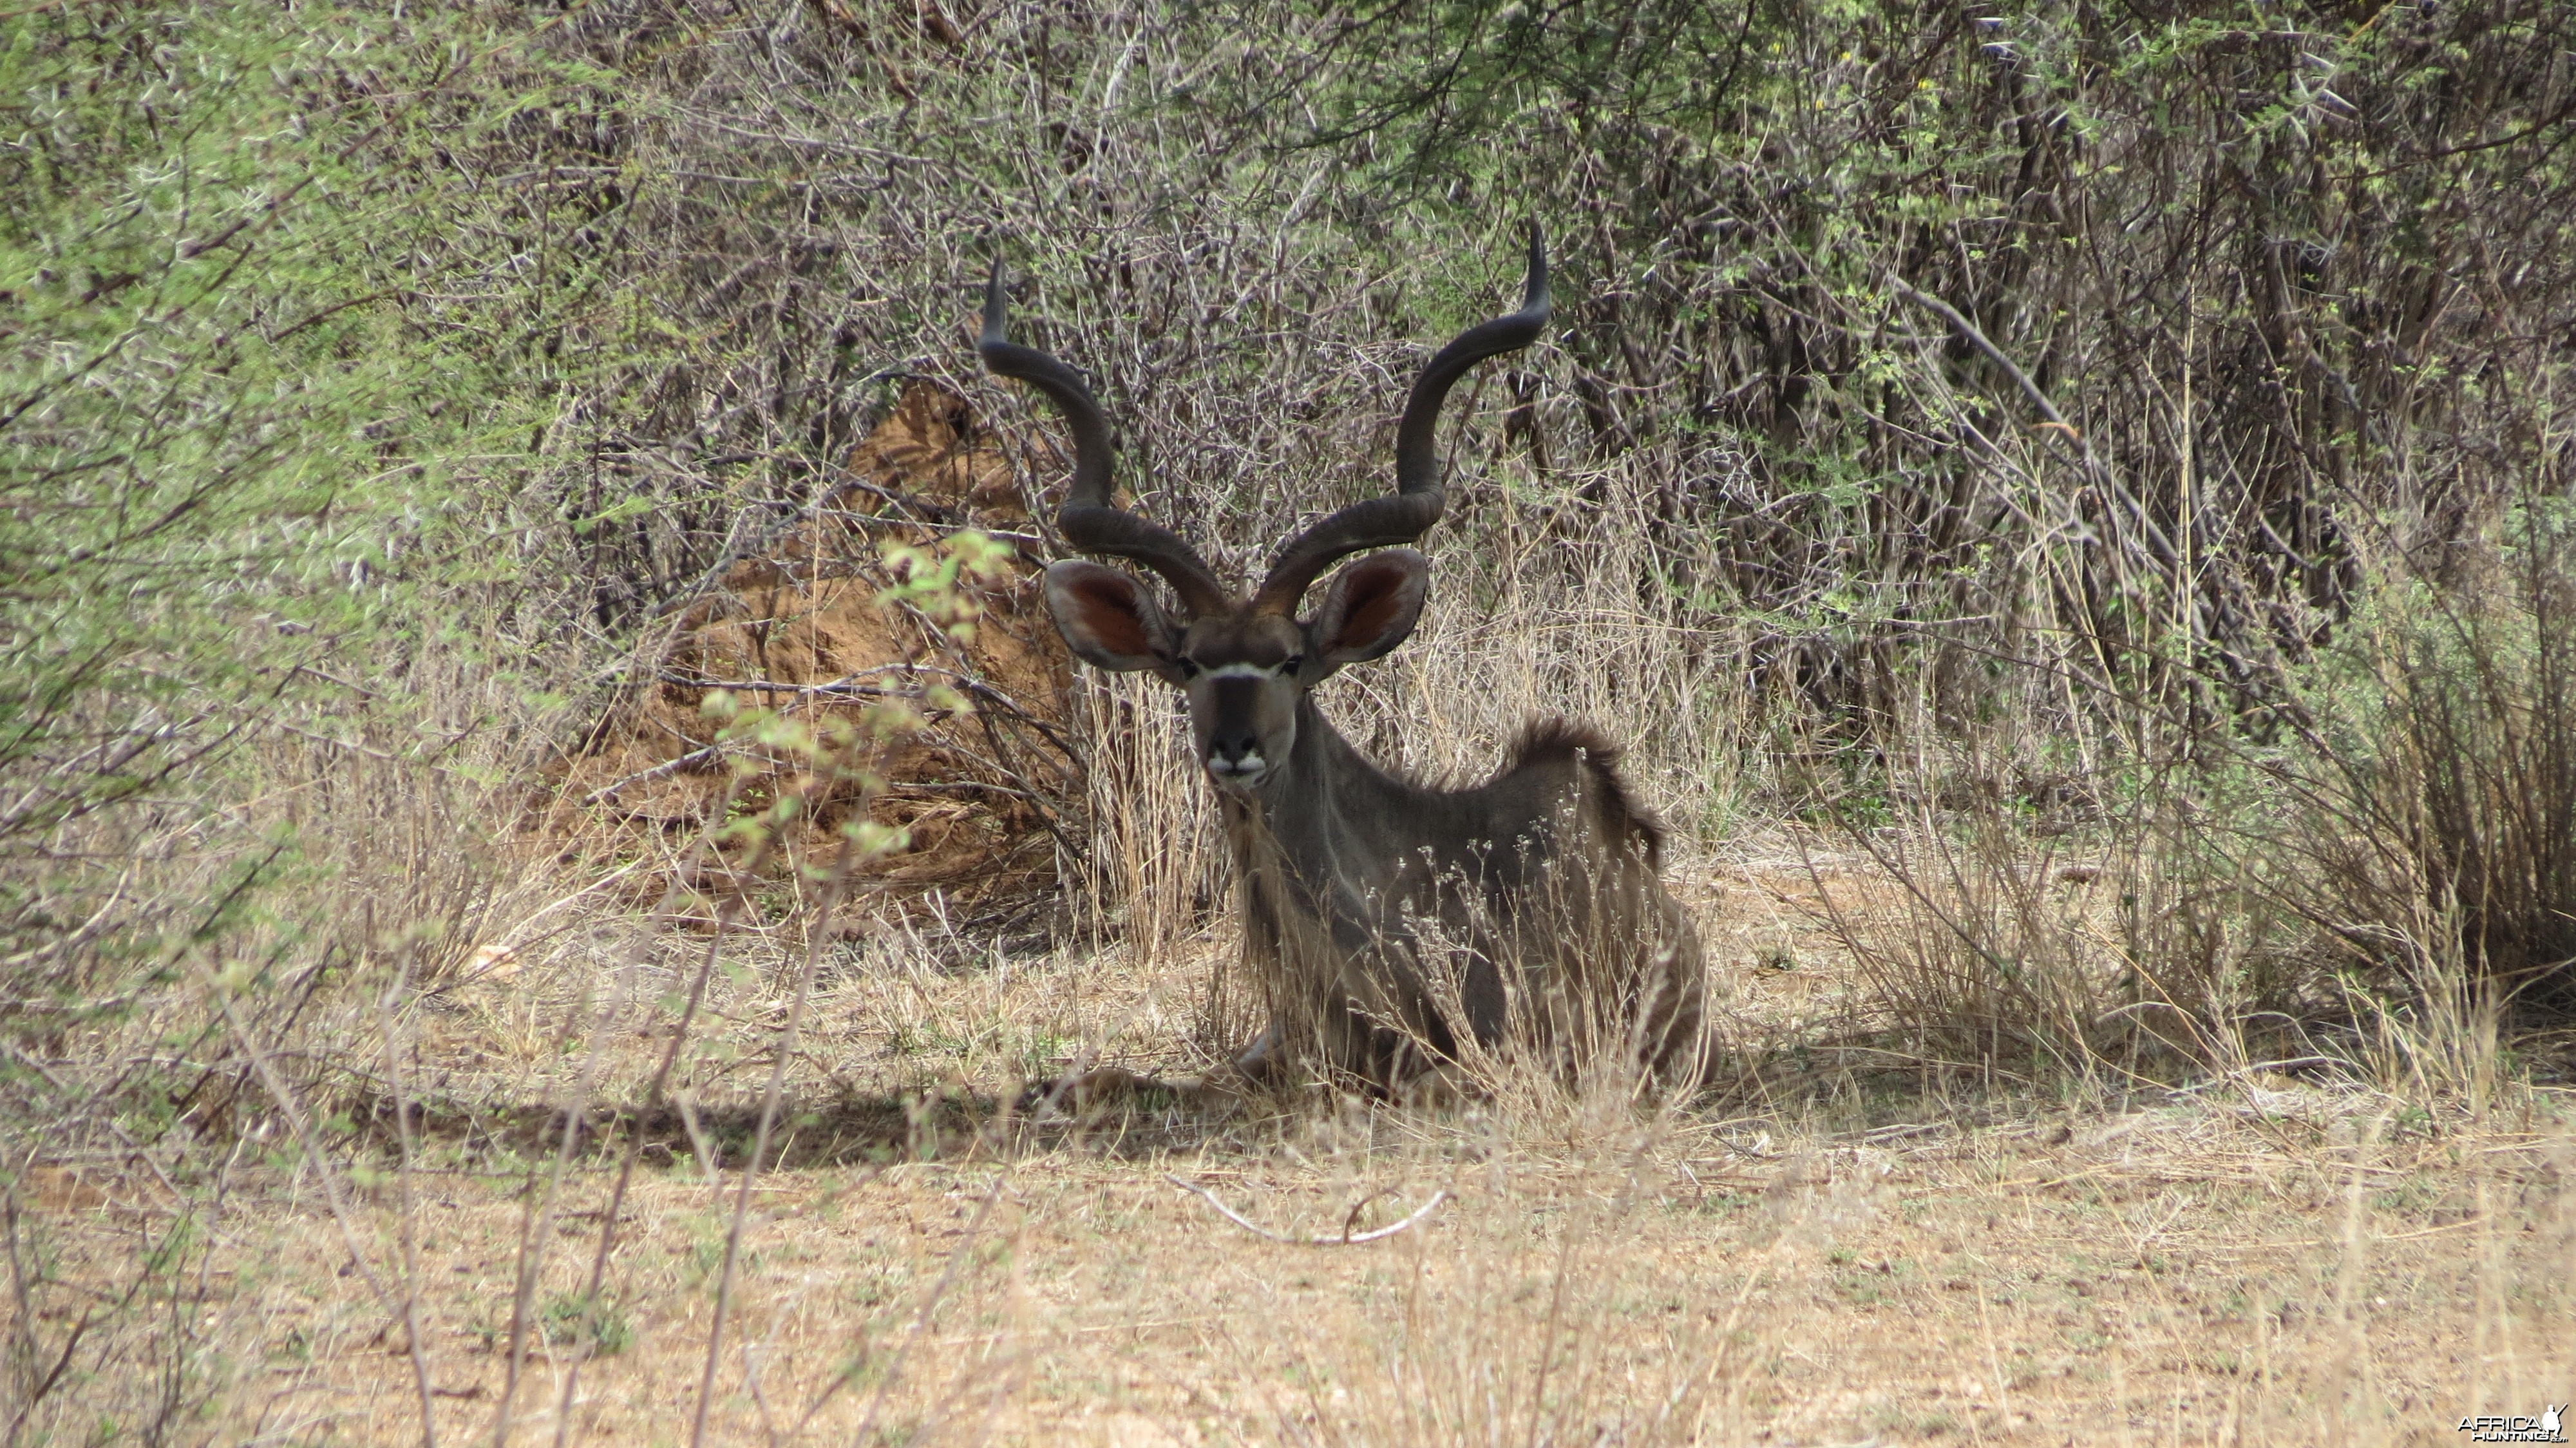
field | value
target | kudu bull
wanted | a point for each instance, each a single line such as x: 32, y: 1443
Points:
x: 1387, y: 922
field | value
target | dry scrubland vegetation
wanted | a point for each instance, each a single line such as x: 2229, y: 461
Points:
x: 548, y: 856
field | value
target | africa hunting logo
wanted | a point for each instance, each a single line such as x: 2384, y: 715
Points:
x: 2549, y: 1427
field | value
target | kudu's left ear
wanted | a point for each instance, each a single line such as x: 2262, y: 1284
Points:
x: 1370, y: 607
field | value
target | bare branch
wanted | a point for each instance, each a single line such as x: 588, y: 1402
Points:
x: 1344, y: 1238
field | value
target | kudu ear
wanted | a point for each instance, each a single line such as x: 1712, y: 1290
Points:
x: 1108, y: 619
x: 1369, y: 607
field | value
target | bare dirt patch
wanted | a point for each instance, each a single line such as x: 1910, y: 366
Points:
x: 1857, y: 1258
x: 2178, y: 1273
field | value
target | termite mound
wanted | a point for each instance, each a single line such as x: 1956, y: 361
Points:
x: 803, y: 626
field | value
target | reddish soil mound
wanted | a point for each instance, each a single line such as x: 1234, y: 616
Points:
x: 802, y: 629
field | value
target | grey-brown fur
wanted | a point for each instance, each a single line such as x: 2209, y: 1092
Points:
x: 1392, y: 923
x: 1393, y: 926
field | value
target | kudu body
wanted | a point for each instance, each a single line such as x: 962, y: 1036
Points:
x: 1393, y: 926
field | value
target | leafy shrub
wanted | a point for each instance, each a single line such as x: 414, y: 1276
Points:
x: 2424, y: 813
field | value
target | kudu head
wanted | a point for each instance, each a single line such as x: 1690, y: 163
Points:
x: 1246, y: 662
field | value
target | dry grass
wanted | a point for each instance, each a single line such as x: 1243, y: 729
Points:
x: 1872, y: 1232
x: 2014, y: 1141
x: 1835, y: 1254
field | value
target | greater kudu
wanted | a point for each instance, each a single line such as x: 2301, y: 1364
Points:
x: 1384, y: 918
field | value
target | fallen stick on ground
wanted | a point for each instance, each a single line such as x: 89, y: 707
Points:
x: 1345, y: 1238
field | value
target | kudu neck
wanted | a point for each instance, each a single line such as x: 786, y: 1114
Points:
x: 1325, y: 777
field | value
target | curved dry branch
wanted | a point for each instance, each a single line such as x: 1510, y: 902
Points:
x: 1345, y: 1238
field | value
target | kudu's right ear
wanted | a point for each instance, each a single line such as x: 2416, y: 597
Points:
x: 1109, y: 620
x: 1370, y: 607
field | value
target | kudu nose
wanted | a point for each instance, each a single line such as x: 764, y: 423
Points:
x: 1231, y: 749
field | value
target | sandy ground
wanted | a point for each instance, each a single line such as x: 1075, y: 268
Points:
x: 1838, y: 1261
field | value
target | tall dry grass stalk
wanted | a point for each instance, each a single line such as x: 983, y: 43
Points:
x: 1972, y: 441
x: 1154, y: 875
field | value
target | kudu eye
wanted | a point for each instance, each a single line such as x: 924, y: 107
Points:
x: 1189, y: 667
x: 1292, y: 666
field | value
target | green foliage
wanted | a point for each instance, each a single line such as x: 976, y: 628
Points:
x: 2246, y: 234
x: 573, y: 1319
x: 2423, y: 815
x: 1441, y: 80
x: 220, y: 447
x: 373, y: 378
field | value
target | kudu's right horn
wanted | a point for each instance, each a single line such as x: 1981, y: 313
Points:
x: 1088, y: 520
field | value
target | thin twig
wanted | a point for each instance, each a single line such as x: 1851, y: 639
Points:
x: 2092, y: 466
x: 598, y: 1283
x: 407, y: 1224
x: 830, y: 897
x: 536, y: 1234
x: 920, y: 1324
x: 668, y: 766
x: 1344, y: 1238
x: 289, y: 1107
